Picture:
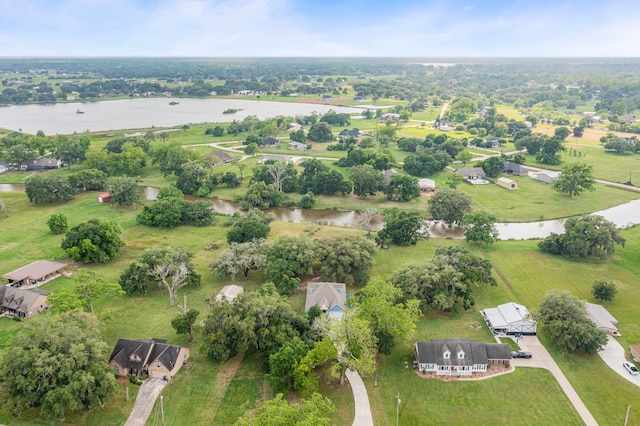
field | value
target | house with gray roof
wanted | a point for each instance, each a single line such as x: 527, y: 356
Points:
x: 34, y: 274
x: 38, y: 164
x: 511, y: 168
x: 298, y: 146
x: 471, y: 173
x: 599, y: 315
x: 153, y: 357
x: 17, y: 302
x: 270, y: 141
x: 329, y: 297
x: 510, y: 318
x: 459, y: 357
x: 222, y: 156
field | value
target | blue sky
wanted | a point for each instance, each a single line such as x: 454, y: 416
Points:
x: 427, y: 28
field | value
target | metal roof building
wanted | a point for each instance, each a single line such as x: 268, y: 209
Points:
x: 510, y: 318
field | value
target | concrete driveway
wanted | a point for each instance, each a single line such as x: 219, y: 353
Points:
x: 541, y: 358
x: 613, y: 356
x: 361, y: 400
x: 145, y: 401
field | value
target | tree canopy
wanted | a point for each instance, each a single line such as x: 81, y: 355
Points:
x: 42, y: 189
x: 402, y: 227
x: 575, y: 179
x: 449, y: 206
x: 346, y: 259
x: 93, y: 241
x: 251, y: 226
x: 278, y: 412
x: 57, y: 363
x: 480, y: 227
x: 564, y: 318
x: 87, y: 288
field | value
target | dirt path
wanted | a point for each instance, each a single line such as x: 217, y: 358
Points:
x: 223, y: 378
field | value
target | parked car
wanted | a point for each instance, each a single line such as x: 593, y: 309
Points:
x: 520, y: 354
x: 630, y: 368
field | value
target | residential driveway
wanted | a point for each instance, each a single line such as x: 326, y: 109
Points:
x: 361, y: 399
x: 541, y: 358
x: 147, y: 396
x: 613, y: 356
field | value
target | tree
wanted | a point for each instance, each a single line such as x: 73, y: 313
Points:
x: 162, y: 213
x: 88, y: 287
x: 251, y: 226
x: 604, y: 291
x: 93, y: 241
x: 402, y: 188
x: 320, y: 132
x: 550, y: 151
x: 380, y: 303
x: 279, y: 172
x: 314, y: 411
x: 192, y: 177
x: 71, y: 152
x: 364, y: 219
x: 231, y: 179
x: 57, y: 223
x: 288, y: 259
x: 251, y: 149
x: 282, y: 363
x: 240, y: 258
x: 402, y: 227
x: 532, y: 143
x: 480, y: 227
x: 447, y: 281
x: 492, y: 166
x: 562, y: 132
x: 575, y: 179
x: 88, y: 180
x: 125, y: 190
x: 138, y: 276
x: 57, y: 363
x: 449, y: 206
x: 578, y: 131
x: 308, y: 200
x: 464, y: 157
x: 43, y: 189
x: 184, y: 322
x: 453, y: 180
x: 259, y: 196
x: 584, y: 236
x: 354, y: 342
x: 564, y: 318
x: 346, y: 259
x: 366, y: 180
x: 172, y: 276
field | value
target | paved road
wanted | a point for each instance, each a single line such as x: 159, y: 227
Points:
x: 361, y: 399
x: 542, y: 359
x: 145, y: 401
x: 613, y: 356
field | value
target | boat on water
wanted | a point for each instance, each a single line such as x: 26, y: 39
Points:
x: 79, y: 112
x: 173, y: 103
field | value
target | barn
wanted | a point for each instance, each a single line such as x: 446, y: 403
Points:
x: 510, y: 318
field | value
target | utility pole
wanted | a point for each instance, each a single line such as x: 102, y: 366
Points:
x: 162, y: 408
x: 397, y: 408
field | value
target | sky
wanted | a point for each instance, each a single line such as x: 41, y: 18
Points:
x: 320, y: 28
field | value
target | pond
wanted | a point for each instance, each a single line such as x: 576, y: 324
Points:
x: 622, y: 216
x: 64, y: 118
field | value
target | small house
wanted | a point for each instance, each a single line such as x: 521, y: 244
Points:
x: 329, y: 297
x: 273, y: 157
x: 17, y: 302
x: 294, y: 127
x: 222, y: 156
x: 4, y: 167
x: 602, y: 318
x: 38, y: 164
x: 34, y: 274
x: 444, y: 125
x: 153, y: 357
x: 390, y: 116
x: 546, y: 177
x: 105, y: 198
x: 270, y: 141
x: 510, y: 318
x: 230, y: 292
x: 459, y: 357
x: 298, y: 146
x: 471, y: 173
x: 508, y: 183
x: 427, y: 185
x: 345, y: 134
x: 628, y: 118
x: 387, y: 174
x: 635, y: 352
x: 515, y: 169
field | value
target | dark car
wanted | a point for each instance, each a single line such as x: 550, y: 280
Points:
x: 520, y: 354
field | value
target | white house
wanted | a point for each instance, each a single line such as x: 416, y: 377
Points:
x: 510, y: 318
x: 230, y: 292
x: 459, y: 357
x: 426, y: 185
x: 546, y: 177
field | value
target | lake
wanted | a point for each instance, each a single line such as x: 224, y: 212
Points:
x: 143, y: 113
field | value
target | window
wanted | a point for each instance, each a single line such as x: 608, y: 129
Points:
x: 447, y: 355
x: 460, y: 355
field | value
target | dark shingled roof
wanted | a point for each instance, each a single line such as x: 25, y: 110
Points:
x: 474, y: 352
x: 148, y: 351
